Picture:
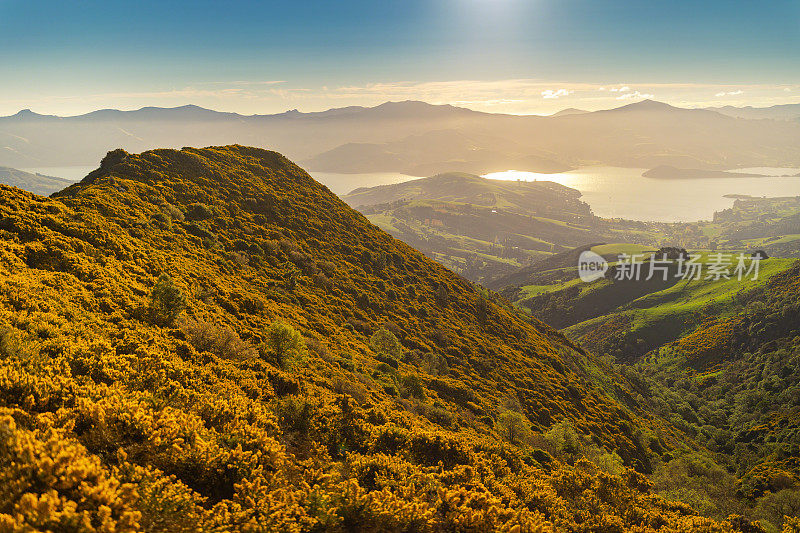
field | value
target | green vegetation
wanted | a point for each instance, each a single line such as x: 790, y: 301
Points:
x: 478, y: 227
x: 167, y: 301
x: 284, y: 344
x: 494, y: 231
x: 719, y: 360
x: 110, y: 421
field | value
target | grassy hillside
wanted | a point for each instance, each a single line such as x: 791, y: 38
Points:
x: 718, y: 358
x: 733, y: 382
x: 487, y: 229
x: 211, y: 340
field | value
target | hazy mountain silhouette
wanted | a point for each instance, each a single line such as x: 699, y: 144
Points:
x: 417, y: 138
x: 569, y: 111
x: 775, y: 112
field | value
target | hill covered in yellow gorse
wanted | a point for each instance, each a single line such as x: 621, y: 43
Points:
x: 152, y: 374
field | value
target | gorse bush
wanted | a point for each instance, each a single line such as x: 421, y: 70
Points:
x: 111, y: 423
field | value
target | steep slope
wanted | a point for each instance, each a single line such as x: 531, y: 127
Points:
x: 35, y: 183
x: 737, y: 381
x: 116, y: 417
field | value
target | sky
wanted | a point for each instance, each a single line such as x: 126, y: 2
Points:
x: 509, y: 56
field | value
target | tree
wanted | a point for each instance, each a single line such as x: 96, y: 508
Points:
x: 284, y: 344
x: 564, y: 438
x: 167, y: 301
x: 514, y: 427
x: 385, y: 342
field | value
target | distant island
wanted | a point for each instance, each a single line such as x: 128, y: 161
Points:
x: 669, y: 172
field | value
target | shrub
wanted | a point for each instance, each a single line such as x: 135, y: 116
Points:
x: 564, y: 438
x: 220, y: 340
x: 385, y: 342
x: 610, y: 463
x: 161, y: 220
x: 295, y: 414
x: 10, y: 343
x: 172, y: 212
x: 390, y: 361
x: 167, y: 301
x: 412, y: 385
x: 199, y: 212
x: 284, y: 344
x: 776, y: 505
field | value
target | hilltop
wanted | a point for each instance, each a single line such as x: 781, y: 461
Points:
x: 209, y: 339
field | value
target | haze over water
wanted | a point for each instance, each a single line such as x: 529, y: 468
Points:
x: 616, y: 192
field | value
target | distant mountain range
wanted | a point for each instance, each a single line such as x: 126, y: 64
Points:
x: 776, y: 112
x: 422, y: 139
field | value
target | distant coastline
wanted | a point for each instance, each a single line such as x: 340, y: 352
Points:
x: 667, y: 172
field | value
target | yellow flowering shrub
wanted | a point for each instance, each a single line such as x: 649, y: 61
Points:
x: 113, y: 421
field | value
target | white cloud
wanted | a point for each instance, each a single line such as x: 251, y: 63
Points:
x: 787, y: 89
x: 634, y: 95
x: 729, y: 93
x: 623, y: 89
x: 549, y: 93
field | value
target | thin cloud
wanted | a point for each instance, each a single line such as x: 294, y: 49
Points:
x: 549, y: 93
x: 634, y: 95
x: 729, y: 93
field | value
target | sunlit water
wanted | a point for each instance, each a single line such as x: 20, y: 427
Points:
x: 625, y: 193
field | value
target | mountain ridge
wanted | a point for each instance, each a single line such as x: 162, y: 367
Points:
x: 418, y: 138
x: 191, y: 424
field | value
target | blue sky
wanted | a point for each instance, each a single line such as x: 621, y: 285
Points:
x: 534, y: 56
